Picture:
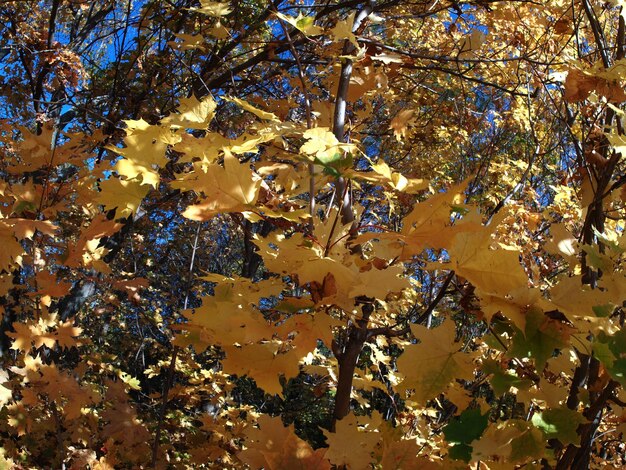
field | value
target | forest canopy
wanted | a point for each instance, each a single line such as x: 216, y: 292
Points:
x: 314, y: 235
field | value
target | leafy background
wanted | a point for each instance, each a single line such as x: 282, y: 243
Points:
x: 305, y: 235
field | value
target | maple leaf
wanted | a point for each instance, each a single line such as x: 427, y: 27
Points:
x: 580, y: 83
x: 303, y: 23
x: 85, y: 251
x: 211, y: 8
x: 25, y: 228
x: 540, y: 338
x: 572, y: 298
x: 351, y: 446
x: 192, y: 113
x: 144, y: 152
x: 251, y: 109
x: 343, y: 30
x: 276, y: 447
x: 382, y: 174
x: 11, y: 251
x: 263, y: 364
x: 463, y: 430
x: 48, y: 286
x: 493, y: 272
x: 19, y: 418
x: 400, y: 123
x: 402, y: 454
x: 65, y: 334
x: 228, y: 316
x: 14, y: 229
x: 123, y: 195
x: 560, y: 423
x: 324, y: 146
x: 430, y: 366
x: 24, y: 335
x: 309, y: 329
x: 188, y: 42
x: 233, y: 188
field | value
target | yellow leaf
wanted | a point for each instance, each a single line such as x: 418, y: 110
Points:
x: 65, y: 334
x: 256, y: 111
x: 343, y: 30
x: 430, y: 366
x: 275, y: 447
x: 303, y: 23
x: 309, y: 329
x: 11, y: 251
x: 210, y: 8
x: 494, y: 272
x: 351, y: 446
x: 188, y: 42
x: 234, y: 188
x: 192, y: 113
x: 144, y: 152
x: 323, y: 145
x: 400, y: 123
x: 261, y: 363
x: 383, y: 174
x: 207, y: 148
x: 24, y: 335
x: 125, y: 195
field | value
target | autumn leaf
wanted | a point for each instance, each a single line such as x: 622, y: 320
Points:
x: 495, y: 272
x: 343, y: 30
x: 252, y: 109
x: 262, y: 363
x: 232, y: 188
x: 65, y: 334
x: 211, y: 8
x: 276, y: 447
x: 324, y: 146
x: 350, y: 445
x: 303, y: 23
x: 430, y: 366
x: 144, y: 152
x: 401, y: 122
x: 540, y: 338
x: 192, y: 113
x: 123, y: 195
x: 382, y: 174
x: 11, y: 251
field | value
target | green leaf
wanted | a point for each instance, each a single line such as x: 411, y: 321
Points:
x: 502, y: 381
x: 460, y: 452
x: 603, y: 311
x: 560, y: 423
x: 596, y: 259
x: 609, y: 350
x: 530, y: 445
x: 603, y: 353
x: 463, y: 430
x: 542, y: 336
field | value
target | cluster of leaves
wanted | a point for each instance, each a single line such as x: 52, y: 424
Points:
x: 340, y: 235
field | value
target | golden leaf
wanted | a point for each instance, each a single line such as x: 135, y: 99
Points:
x: 430, y: 366
x: 276, y: 447
x: 263, y: 364
x: 350, y: 445
x: 234, y: 188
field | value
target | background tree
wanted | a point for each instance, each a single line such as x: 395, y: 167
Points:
x: 283, y: 235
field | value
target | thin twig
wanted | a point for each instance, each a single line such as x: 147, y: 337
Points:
x: 309, y: 121
x: 172, y: 367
